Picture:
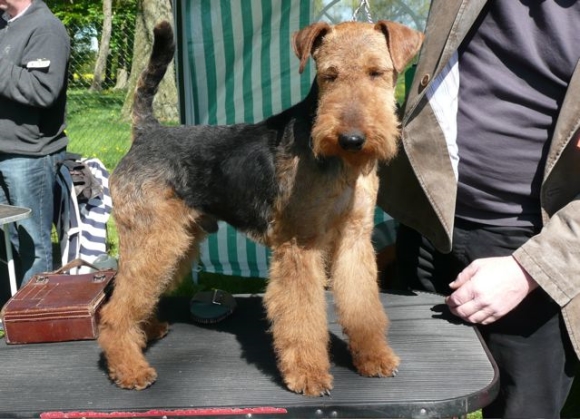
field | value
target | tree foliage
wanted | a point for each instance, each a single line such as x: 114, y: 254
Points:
x: 83, y: 20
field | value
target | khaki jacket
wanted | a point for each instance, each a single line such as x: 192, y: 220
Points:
x: 419, y: 187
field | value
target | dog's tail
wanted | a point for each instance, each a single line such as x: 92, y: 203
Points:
x: 148, y: 84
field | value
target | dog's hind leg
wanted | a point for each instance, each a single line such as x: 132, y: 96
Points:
x: 296, y: 307
x: 153, y: 328
x: 155, y: 239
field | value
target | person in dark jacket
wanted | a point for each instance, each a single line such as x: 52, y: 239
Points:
x: 34, y: 58
x: 486, y: 187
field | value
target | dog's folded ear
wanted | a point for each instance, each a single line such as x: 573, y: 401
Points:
x: 306, y: 40
x: 403, y: 42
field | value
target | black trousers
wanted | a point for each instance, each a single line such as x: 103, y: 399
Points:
x: 530, y: 344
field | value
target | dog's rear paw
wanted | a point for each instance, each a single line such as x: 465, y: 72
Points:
x: 134, y: 380
x: 377, y: 364
x: 155, y: 330
x: 313, y: 384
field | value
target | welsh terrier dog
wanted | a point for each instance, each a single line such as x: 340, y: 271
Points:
x: 302, y: 182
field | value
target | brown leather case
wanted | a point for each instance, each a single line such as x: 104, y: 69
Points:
x: 56, y: 307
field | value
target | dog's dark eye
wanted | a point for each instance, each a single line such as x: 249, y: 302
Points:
x: 329, y: 77
x: 375, y: 73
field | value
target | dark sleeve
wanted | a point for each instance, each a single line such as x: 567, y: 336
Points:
x: 38, y: 87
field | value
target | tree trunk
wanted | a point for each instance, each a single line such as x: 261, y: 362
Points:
x: 101, y: 64
x: 122, y: 79
x: 149, y: 13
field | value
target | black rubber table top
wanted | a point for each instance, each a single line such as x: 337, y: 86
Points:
x: 228, y: 369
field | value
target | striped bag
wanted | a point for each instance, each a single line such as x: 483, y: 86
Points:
x: 81, y: 227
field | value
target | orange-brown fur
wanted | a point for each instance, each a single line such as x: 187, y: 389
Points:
x: 319, y: 227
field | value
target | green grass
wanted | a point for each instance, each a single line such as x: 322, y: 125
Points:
x: 95, y: 127
x: 208, y: 281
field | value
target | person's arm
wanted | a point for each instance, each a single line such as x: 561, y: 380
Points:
x: 552, y: 257
x: 40, y: 86
x: 489, y: 288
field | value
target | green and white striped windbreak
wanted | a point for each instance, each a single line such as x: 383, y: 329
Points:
x: 237, y: 65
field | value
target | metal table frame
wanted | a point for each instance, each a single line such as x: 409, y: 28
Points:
x: 10, y: 214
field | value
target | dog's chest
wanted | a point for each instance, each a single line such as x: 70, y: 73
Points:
x: 319, y: 198
x: 327, y: 200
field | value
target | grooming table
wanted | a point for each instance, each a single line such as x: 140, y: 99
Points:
x: 228, y: 369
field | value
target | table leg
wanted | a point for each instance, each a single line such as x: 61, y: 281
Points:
x: 10, y: 260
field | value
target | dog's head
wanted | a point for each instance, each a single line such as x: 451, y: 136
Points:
x: 357, y: 66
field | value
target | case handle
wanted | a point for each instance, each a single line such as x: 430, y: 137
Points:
x: 75, y: 264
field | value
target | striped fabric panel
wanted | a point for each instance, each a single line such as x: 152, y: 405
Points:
x: 238, y: 66
x: 238, y: 63
x: 385, y: 230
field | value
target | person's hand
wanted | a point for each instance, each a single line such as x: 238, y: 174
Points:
x: 488, y: 289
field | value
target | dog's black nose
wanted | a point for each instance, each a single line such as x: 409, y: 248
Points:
x: 351, y: 141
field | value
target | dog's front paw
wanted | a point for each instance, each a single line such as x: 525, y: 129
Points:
x: 383, y: 363
x: 137, y: 379
x: 313, y: 383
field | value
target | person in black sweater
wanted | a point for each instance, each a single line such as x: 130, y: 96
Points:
x: 34, y: 59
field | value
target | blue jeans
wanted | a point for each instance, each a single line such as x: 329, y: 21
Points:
x: 29, y: 182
